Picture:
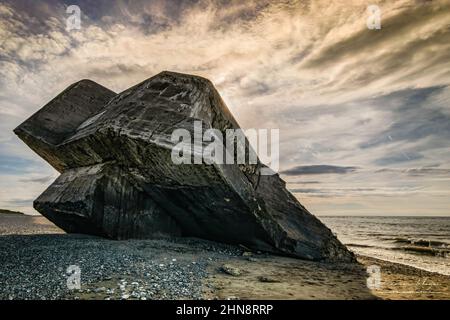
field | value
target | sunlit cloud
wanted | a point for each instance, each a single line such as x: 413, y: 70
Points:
x: 342, y: 95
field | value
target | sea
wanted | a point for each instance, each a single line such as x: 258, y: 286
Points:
x: 421, y: 242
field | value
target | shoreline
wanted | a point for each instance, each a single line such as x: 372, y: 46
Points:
x: 399, y: 264
x: 403, y: 282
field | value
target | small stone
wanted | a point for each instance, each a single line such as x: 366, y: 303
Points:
x: 268, y: 279
x: 232, y: 271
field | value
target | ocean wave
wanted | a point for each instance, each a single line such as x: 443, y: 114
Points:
x: 411, y: 246
x: 437, y: 252
x: 359, y: 245
x: 423, y: 243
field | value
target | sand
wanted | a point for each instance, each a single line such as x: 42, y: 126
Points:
x: 271, y: 277
x: 226, y: 273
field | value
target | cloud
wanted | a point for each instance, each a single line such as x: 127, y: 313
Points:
x: 318, y: 169
x: 304, y: 182
x: 415, y: 114
x: 14, y: 164
x: 430, y: 171
x: 338, y: 92
x: 398, y: 158
x: 20, y: 202
x: 41, y: 180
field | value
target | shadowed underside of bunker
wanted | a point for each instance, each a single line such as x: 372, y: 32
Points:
x: 118, y: 179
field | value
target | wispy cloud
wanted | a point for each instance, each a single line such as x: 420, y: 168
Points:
x: 42, y: 180
x: 318, y: 169
x: 340, y: 93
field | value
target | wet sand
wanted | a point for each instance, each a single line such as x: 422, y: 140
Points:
x: 214, y: 271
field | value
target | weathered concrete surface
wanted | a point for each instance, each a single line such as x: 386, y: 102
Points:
x: 118, y: 179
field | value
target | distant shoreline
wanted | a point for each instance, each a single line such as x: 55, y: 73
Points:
x: 5, y: 211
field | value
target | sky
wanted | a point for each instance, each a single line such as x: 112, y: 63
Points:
x: 364, y: 114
